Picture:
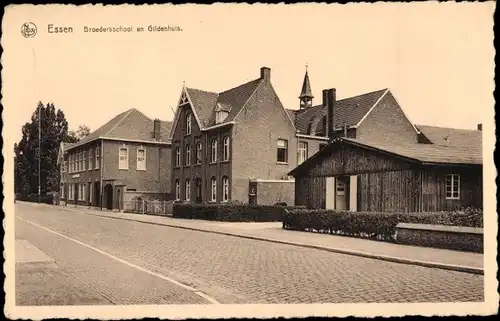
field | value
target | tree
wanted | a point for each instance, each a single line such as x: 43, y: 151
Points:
x: 80, y: 133
x: 54, y: 130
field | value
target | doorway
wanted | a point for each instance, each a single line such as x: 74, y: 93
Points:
x: 108, y: 194
x: 341, y: 193
x: 198, y: 187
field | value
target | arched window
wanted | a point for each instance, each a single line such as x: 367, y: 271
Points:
x: 188, y: 124
x: 198, y: 153
x: 213, y: 159
x: 177, y: 156
x: 225, y: 189
x: 177, y: 190
x: 187, y: 196
x: 225, y: 152
x: 187, y: 159
x: 213, y: 194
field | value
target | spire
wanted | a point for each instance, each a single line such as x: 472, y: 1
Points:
x: 306, y: 93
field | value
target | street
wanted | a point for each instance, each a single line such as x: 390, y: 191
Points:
x: 72, y: 258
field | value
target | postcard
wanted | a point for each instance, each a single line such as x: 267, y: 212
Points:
x: 257, y: 161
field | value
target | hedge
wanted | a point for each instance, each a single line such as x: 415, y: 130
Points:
x: 230, y: 212
x: 380, y: 226
x: 48, y: 198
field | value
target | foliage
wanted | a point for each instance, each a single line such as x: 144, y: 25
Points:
x: 381, y: 226
x: 82, y: 132
x: 54, y: 130
x: 229, y: 212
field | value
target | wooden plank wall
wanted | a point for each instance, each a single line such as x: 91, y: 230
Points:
x: 393, y: 191
x: 354, y: 160
x: 434, y: 189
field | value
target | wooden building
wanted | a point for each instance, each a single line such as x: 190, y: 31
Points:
x: 443, y: 171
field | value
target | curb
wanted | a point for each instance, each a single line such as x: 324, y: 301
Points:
x: 443, y: 266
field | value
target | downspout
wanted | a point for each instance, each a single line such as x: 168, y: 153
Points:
x: 101, y: 157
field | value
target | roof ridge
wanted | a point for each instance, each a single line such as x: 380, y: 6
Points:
x: 205, y: 91
x: 454, y: 128
x: 127, y: 113
x: 368, y: 93
x: 241, y: 85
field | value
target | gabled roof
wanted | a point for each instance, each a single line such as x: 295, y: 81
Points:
x: 465, y: 138
x: 62, y: 147
x: 129, y: 125
x: 348, y: 111
x: 232, y: 101
x: 424, y: 154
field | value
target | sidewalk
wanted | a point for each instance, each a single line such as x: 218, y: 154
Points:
x: 273, y: 232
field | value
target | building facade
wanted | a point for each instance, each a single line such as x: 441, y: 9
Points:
x: 438, y: 173
x: 126, y: 158
x: 222, y: 143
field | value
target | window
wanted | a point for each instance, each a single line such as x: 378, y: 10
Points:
x: 213, y: 196
x: 84, y: 161
x: 188, y: 124
x: 177, y: 190
x: 141, y: 159
x: 90, y: 193
x: 225, y: 151
x: 123, y: 161
x: 225, y: 189
x: 90, y: 159
x: 70, y: 191
x: 187, y: 159
x: 221, y: 116
x: 177, y: 157
x: 198, y: 153
x: 340, y: 188
x: 452, y: 183
x: 282, y: 151
x: 188, y: 190
x: 80, y: 162
x: 302, y: 152
x: 66, y: 168
x: 213, y: 158
x: 97, y: 158
x: 80, y: 192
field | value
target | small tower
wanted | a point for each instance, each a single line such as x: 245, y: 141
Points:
x: 306, y: 96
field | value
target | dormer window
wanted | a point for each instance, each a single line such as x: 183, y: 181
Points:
x: 221, y: 116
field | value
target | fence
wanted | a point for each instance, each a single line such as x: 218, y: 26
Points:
x: 148, y: 207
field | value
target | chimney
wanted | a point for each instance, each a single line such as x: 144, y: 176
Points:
x: 480, y: 127
x: 329, y: 97
x: 265, y: 73
x: 156, y: 129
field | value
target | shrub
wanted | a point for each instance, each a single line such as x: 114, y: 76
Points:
x: 229, y: 212
x: 381, y: 226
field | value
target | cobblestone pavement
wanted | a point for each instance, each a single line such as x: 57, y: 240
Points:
x: 236, y: 270
x: 274, y: 231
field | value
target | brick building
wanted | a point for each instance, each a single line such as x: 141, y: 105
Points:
x: 240, y: 144
x: 126, y: 158
x: 224, y: 142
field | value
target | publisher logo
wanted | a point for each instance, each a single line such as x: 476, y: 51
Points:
x: 28, y: 29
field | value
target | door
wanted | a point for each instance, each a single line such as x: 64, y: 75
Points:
x: 198, y: 188
x: 108, y: 192
x: 341, y: 188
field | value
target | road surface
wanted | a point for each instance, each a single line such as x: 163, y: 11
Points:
x: 70, y: 258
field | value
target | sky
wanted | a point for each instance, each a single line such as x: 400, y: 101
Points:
x: 437, y: 59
